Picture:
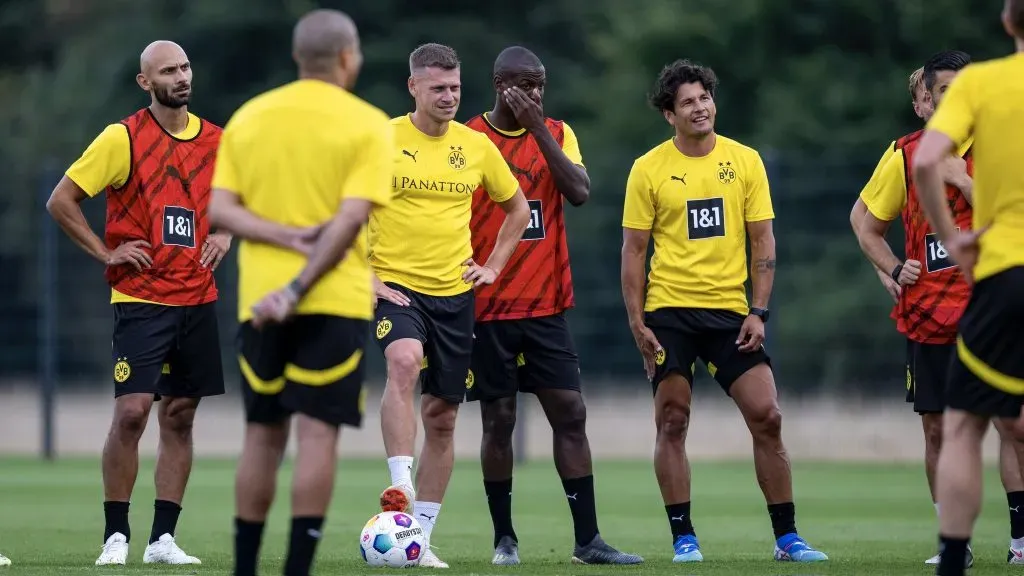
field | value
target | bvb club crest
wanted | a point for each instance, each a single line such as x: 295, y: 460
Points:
x: 383, y: 328
x: 726, y: 173
x: 456, y: 159
x: 659, y: 357
x: 122, y: 371
x: 470, y: 379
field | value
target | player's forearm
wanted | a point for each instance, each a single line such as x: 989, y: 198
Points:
x: 509, y: 235
x: 238, y: 221
x: 966, y: 187
x: 857, y: 215
x: 571, y: 180
x: 69, y: 216
x: 762, y: 270
x: 878, y: 251
x: 332, y: 245
x: 632, y: 278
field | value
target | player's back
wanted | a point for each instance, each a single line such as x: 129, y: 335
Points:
x: 995, y: 91
x: 294, y: 149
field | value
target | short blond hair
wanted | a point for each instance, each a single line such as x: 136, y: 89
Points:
x: 916, y: 78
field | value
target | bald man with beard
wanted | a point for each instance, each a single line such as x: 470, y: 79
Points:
x: 155, y: 167
x: 300, y: 169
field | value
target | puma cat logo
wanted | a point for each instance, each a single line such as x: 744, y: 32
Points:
x: 411, y: 154
x: 680, y: 178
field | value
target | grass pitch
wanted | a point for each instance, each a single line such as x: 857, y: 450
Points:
x: 870, y: 519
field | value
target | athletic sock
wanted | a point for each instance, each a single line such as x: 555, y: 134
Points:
x: 499, y: 501
x: 401, y: 470
x: 783, y: 517
x: 116, y: 519
x: 426, y: 515
x: 1015, y: 500
x: 248, y: 537
x: 953, y: 554
x: 302, y: 545
x: 936, y: 509
x: 580, y: 494
x: 165, y: 519
x: 679, y: 520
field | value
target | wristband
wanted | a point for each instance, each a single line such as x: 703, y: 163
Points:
x: 896, y: 272
x: 296, y: 288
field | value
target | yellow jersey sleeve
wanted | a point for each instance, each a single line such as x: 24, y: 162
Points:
x: 757, y: 205
x: 954, y: 116
x: 889, y: 151
x: 638, y: 210
x: 570, y: 145
x: 225, y: 172
x: 106, y: 162
x: 370, y: 178
x: 498, y: 180
x: 886, y: 198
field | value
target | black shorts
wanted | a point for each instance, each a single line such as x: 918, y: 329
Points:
x: 988, y: 379
x: 169, y: 351
x: 511, y: 356
x: 928, y: 368
x: 444, y: 324
x: 686, y: 334
x: 312, y: 364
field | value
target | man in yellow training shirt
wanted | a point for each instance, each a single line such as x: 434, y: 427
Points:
x: 306, y: 154
x: 700, y: 195
x: 421, y: 253
x: 986, y: 103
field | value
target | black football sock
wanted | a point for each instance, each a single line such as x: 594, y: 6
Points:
x: 580, y: 494
x: 953, y: 554
x: 679, y: 520
x: 302, y: 545
x: 499, y: 501
x: 783, y: 518
x: 165, y: 519
x: 1016, y: 503
x: 248, y: 537
x: 116, y: 515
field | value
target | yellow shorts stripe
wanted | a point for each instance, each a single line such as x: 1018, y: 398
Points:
x: 166, y: 369
x: 991, y: 376
x: 324, y: 377
x: 258, y: 385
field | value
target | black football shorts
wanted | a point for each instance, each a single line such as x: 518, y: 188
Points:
x: 928, y: 369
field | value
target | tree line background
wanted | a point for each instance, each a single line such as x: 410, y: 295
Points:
x: 819, y: 87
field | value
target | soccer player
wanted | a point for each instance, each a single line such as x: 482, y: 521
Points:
x: 421, y: 253
x: 522, y: 338
x: 985, y: 103
x: 155, y: 167
x: 921, y: 100
x: 933, y: 294
x: 302, y: 155
x: 700, y: 195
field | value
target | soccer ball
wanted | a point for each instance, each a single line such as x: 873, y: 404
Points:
x: 392, y: 540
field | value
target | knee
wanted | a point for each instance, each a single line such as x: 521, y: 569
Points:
x: 571, y: 417
x: 673, y: 421
x: 178, y: 418
x: 766, y: 422
x: 130, y: 418
x: 439, y: 418
x: 404, y: 360
x: 499, y: 418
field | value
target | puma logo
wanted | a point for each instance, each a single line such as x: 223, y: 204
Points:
x: 411, y: 154
x: 680, y: 178
x: 572, y: 496
x: 428, y: 518
x: 1016, y: 509
x: 679, y: 518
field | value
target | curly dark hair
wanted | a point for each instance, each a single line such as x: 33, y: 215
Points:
x: 676, y: 74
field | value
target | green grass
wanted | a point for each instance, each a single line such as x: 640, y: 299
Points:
x: 870, y: 519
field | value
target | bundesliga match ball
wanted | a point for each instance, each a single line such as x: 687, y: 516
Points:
x: 392, y: 540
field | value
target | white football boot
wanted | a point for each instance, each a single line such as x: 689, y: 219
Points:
x: 4, y: 560
x: 115, y: 551
x: 1016, y: 552
x: 968, y: 560
x: 166, y: 551
x: 430, y: 560
x: 403, y: 497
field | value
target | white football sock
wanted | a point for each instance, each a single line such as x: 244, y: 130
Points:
x: 1017, y: 543
x: 401, y: 470
x: 936, y: 508
x: 426, y: 515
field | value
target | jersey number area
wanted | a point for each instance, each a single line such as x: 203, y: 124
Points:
x: 179, y: 227
x: 935, y: 254
x: 705, y: 218
x: 535, y: 230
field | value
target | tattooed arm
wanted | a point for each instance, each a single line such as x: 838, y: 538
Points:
x: 762, y: 261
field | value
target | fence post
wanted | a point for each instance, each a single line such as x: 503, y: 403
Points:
x: 47, y: 316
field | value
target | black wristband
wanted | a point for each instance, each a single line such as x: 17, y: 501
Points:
x: 296, y: 287
x: 896, y: 272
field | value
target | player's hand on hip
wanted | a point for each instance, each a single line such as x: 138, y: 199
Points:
x: 890, y: 285
x: 385, y: 292
x: 963, y: 249
x: 478, y: 275
x: 132, y: 253
x: 274, y: 307
x: 214, y: 249
x: 528, y: 112
x: 751, y: 334
x: 649, y: 348
x: 910, y: 273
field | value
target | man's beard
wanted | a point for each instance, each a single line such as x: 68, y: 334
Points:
x: 166, y: 97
